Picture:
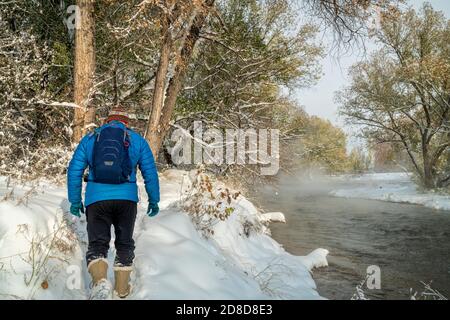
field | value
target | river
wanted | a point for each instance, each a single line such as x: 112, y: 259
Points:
x: 409, y: 243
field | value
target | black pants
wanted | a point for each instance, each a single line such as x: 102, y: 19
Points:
x: 100, y: 216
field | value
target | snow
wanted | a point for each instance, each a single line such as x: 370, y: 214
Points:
x: 316, y: 259
x: 173, y: 259
x: 393, y: 187
x: 273, y: 217
x: 36, y: 245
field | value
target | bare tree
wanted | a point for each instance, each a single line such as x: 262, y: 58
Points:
x: 350, y: 20
x: 164, y: 99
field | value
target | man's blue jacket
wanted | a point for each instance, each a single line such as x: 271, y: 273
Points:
x: 140, y: 155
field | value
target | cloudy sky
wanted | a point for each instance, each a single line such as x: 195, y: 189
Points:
x: 319, y: 100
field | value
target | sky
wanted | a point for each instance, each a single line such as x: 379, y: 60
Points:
x: 319, y: 100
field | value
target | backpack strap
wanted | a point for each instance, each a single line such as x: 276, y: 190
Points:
x: 126, y: 138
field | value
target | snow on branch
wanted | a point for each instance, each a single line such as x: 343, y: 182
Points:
x: 48, y: 103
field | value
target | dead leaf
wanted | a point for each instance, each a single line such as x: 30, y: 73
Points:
x: 44, y: 284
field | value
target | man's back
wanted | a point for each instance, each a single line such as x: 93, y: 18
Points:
x: 140, y: 156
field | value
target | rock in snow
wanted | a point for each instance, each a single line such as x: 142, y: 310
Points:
x: 273, y: 217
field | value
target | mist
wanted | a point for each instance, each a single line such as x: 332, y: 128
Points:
x: 360, y: 233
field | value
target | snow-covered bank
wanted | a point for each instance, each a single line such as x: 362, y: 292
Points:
x: 394, y: 187
x: 42, y: 248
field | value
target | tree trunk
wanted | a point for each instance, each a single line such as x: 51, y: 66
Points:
x: 428, y: 166
x: 153, y: 129
x: 428, y: 177
x: 444, y: 182
x: 159, y: 122
x: 84, y: 68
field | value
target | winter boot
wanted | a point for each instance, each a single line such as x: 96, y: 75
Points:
x: 122, y: 287
x: 98, y: 269
x: 102, y: 288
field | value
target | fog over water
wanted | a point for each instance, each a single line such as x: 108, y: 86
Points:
x: 410, y: 243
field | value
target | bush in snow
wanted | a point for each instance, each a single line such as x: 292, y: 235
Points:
x: 47, y: 255
x: 207, y: 201
x: 359, y: 293
x: 428, y: 293
x: 32, y: 74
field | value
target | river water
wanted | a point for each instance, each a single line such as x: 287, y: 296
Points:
x: 409, y: 243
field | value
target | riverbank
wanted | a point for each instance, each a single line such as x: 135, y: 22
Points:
x: 392, y: 187
x: 42, y: 250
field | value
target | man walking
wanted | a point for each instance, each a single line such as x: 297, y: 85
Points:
x: 112, y: 152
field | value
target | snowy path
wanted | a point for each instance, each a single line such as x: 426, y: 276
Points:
x: 173, y: 260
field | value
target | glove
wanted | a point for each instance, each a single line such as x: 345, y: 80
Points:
x: 153, y: 209
x: 75, y: 209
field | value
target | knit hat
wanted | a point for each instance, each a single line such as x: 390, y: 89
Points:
x: 119, y: 114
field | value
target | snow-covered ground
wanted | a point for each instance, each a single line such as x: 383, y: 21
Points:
x: 42, y: 250
x: 394, y: 187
